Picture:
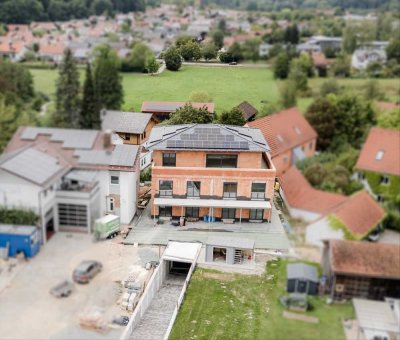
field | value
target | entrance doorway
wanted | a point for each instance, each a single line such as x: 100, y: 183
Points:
x: 219, y: 254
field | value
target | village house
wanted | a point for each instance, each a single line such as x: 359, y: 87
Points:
x: 130, y: 128
x: 13, y: 51
x: 162, y: 110
x: 211, y: 172
x: 289, y: 135
x: 378, y: 165
x: 51, y: 52
x: 69, y: 177
x: 357, y: 269
x: 248, y: 111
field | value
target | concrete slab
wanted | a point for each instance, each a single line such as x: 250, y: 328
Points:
x: 266, y: 235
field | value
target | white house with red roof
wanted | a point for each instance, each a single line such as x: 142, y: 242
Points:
x: 14, y: 51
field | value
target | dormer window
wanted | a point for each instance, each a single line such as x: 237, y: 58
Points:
x: 297, y: 130
x: 379, y: 155
x: 280, y: 138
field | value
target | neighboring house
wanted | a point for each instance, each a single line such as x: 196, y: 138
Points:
x: 130, y: 128
x: 69, y: 177
x: 211, y: 172
x: 302, y: 200
x: 321, y: 63
x: 263, y: 50
x: 354, y: 219
x: 378, y: 165
x: 361, y: 58
x: 320, y: 44
x: 51, y: 52
x: 248, y: 111
x: 162, y: 110
x: 357, y: 269
x: 13, y: 51
x: 378, y: 319
x: 289, y: 135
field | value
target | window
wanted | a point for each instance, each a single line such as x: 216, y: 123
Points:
x: 114, y: 179
x: 192, y: 212
x: 228, y: 213
x: 380, y: 198
x: 379, y: 155
x: 165, y: 211
x: 230, y: 190
x: 256, y: 214
x: 127, y: 136
x: 193, y: 189
x: 166, y: 188
x: 169, y: 159
x: 110, y: 203
x: 221, y: 161
x: 384, y: 179
x: 258, y: 190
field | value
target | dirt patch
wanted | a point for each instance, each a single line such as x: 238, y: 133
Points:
x: 219, y: 276
x: 300, y: 317
x: 309, y: 253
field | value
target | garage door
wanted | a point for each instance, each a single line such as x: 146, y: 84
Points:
x: 72, y: 215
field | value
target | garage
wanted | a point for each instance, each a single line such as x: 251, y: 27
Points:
x: 229, y: 250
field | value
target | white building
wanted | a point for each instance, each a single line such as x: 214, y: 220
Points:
x: 69, y: 177
x: 362, y: 57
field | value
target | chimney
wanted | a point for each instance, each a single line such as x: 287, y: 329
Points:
x: 107, y: 139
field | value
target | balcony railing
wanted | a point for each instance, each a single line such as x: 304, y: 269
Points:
x: 165, y: 193
x: 257, y: 195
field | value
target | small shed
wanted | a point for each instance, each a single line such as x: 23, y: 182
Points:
x: 248, y: 111
x: 229, y: 250
x: 20, y: 239
x: 302, y: 278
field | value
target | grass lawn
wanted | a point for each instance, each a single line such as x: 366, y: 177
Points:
x: 227, y: 86
x: 232, y: 306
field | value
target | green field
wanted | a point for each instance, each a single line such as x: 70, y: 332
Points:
x: 232, y: 306
x: 227, y: 86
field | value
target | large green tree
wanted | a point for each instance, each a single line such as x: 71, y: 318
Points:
x: 393, y: 49
x: 209, y: 51
x: 287, y: 94
x: 67, y: 93
x: 232, y: 117
x: 188, y: 115
x: 140, y: 53
x: 190, y: 51
x: 90, y: 113
x: 108, y: 81
x: 218, y: 38
x: 281, y: 66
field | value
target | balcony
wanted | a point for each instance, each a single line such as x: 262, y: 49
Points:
x: 76, y: 190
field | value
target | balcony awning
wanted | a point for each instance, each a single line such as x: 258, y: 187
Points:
x: 207, y: 203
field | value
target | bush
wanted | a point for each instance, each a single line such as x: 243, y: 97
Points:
x: 18, y: 216
x: 145, y: 175
x: 172, y: 58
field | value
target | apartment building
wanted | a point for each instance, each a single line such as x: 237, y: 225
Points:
x: 211, y: 172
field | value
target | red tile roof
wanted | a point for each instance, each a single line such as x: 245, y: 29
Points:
x: 360, y: 213
x: 319, y: 59
x: 381, y: 152
x: 7, y: 47
x: 168, y: 107
x: 54, y: 49
x: 365, y: 258
x: 387, y: 105
x: 301, y: 195
x: 285, y: 130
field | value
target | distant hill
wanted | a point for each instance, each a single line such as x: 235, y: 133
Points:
x: 26, y: 11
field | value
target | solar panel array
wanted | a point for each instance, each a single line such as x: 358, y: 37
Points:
x: 207, y: 138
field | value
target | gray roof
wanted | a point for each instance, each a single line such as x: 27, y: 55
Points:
x: 234, y: 242
x: 17, y: 229
x: 86, y: 176
x: 302, y: 271
x: 126, y: 122
x: 32, y: 165
x: 71, y: 138
x: 213, y: 137
x: 122, y: 155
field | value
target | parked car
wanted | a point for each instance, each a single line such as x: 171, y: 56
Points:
x: 374, y: 236
x: 86, y: 271
x: 63, y: 289
x: 121, y: 320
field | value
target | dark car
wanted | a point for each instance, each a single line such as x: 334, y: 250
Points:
x: 121, y: 320
x: 86, y: 271
x: 63, y: 289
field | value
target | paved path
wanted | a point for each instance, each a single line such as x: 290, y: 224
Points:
x: 155, y: 321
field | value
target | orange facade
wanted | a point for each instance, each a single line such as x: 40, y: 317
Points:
x: 138, y: 139
x: 190, y: 166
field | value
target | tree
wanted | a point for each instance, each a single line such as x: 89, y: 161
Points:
x: 374, y: 69
x: 67, y: 93
x: 107, y: 80
x: 349, y: 43
x: 172, y: 58
x: 292, y: 35
x: 200, y: 96
x: 140, y: 53
x: 251, y: 49
x: 218, y: 39
x: 281, y: 66
x: 190, y: 51
x: 20, y: 11
x: 152, y: 65
x: 268, y: 109
x: 100, y: 7
x: 188, y: 115
x: 183, y: 40
x: 331, y: 86
x: 393, y: 50
x: 288, y: 94
x: 298, y: 75
x: 225, y: 57
x: 372, y: 90
x: 90, y: 112
x: 236, y: 52
x: 321, y: 115
x: 232, y: 117
x: 209, y: 51
x: 341, y: 66
x: 222, y: 25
